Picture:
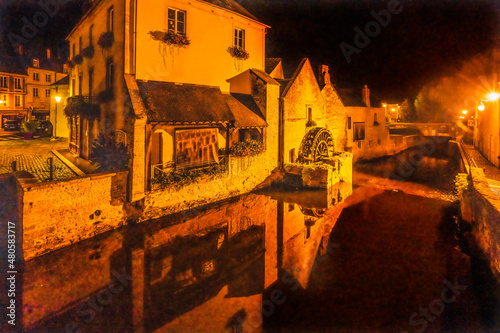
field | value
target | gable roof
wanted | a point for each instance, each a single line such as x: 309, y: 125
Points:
x: 264, y: 76
x: 271, y: 64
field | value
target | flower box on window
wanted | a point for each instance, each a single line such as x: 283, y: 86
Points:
x: 88, y: 52
x: 77, y: 106
x: 170, y: 38
x: 238, y: 53
x: 106, y: 40
x: 78, y: 59
x: 70, y: 64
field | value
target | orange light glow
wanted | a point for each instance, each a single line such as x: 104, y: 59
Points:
x: 493, y: 96
x: 481, y: 107
x: 464, y: 111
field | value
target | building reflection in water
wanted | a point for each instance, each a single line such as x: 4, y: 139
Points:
x: 211, y: 270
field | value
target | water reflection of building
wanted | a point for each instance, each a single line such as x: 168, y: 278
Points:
x: 202, y: 270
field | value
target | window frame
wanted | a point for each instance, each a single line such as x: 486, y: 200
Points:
x: 176, y: 21
x: 4, y: 79
x: 48, y: 78
x: 35, y: 89
x: 17, y: 98
x: 16, y: 80
x: 110, y: 19
x: 35, y: 76
x: 239, y: 41
x: 47, y: 93
x: 110, y: 74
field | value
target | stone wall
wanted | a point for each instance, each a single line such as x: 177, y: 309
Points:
x: 244, y: 174
x: 486, y: 217
x: 57, y: 214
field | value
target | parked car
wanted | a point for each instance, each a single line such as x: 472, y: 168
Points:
x: 45, y: 128
x: 12, y: 125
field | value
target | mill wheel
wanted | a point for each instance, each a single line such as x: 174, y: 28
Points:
x: 317, y: 143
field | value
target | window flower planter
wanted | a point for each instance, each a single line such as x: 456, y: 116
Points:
x: 170, y: 38
x: 247, y: 148
x: 105, y: 96
x: 167, y: 42
x: 106, y: 40
x: 78, y: 59
x: 88, y: 52
x: 77, y: 106
x: 70, y: 64
x: 238, y: 53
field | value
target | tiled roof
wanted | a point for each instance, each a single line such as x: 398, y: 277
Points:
x: 187, y: 103
x: 245, y: 110
x: 264, y: 76
x: 232, y: 6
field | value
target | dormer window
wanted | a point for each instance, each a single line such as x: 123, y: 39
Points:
x: 176, y: 21
x: 36, y: 63
x: 239, y: 38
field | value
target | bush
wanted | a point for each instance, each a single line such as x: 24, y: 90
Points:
x: 29, y: 126
x: 108, y: 154
x: 183, y: 177
x: 247, y: 148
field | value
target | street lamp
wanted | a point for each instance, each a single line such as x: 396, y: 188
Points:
x: 464, y: 112
x: 58, y: 99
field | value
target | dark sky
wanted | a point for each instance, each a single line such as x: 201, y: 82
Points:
x: 427, y: 39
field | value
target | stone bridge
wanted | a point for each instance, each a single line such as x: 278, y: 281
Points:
x: 425, y: 129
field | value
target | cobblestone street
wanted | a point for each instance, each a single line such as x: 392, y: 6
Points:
x: 32, y: 156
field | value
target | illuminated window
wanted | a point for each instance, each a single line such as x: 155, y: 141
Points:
x: 47, y: 92
x: 176, y: 21
x: 48, y: 78
x: 4, y: 100
x: 17, y: 83
x: 239, y: 38
x: 35, y: 92
x: 17, y: 100
x: 3, y: 81
x: 35, y: 76
x: 110, y: 19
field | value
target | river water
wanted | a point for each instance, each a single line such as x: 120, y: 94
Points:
x: 385, y: 254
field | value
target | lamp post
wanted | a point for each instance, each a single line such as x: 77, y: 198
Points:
x: 58, y: 99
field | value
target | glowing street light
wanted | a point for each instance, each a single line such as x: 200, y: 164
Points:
x: 493, y: 96
x: 481, y: 106
x: 464, y: 112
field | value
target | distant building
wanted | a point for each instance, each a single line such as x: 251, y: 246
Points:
x: 367, y: 135
x: 12, y: 89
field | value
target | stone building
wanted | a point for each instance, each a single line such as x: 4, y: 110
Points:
x: 162, y: 81
x: 367, y: 135
x: 12, y: 89
x: 25, y: 85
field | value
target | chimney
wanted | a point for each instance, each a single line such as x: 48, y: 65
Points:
x: 20, y: 49
x: 366, y: 96
x: 324, y: 75
x: 48, y: 53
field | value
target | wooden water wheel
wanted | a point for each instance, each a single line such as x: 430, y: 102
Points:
x: 317, y: 143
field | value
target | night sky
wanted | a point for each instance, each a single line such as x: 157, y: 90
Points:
x: 426, y: 40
